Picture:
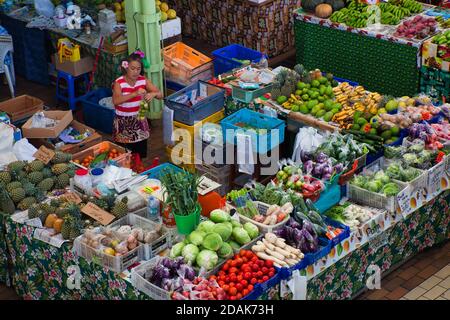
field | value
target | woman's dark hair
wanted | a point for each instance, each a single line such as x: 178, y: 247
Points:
x: 129, y: 59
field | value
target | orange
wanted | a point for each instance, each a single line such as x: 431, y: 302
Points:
x: 444, y: 183
x: 114, y: 150
x: 310, y: 269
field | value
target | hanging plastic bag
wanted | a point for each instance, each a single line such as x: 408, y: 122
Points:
x: 23, y: 150
x: 44, y: 8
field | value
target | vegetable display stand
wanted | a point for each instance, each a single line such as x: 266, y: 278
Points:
x: 122, y: 160
x: 380, y: 63
x: 186, y: 224
x: 262, y: 208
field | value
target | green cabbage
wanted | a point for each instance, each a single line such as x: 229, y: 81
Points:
x: 218, y: 216
x: 206, y: 226
x: 207, y: 259
x: 241, y: 236
x: 234, y: 245
x: 176, y: 250
x: 212, y: 241
x: 196, y: 237
x: 190, y: 253
x: 251, y: 229
x: 223, y: 230
x: 235, y: 223
x: 225, y: 250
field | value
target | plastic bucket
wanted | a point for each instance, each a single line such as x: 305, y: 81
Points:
x: 187, y: 224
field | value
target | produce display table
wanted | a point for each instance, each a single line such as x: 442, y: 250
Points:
x: 40, y: 271
x: 265, y: 27
x: 378, y: 61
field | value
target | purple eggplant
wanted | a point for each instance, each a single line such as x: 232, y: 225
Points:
x: 308, y: 166
x: 293, y: 224
x: 321, y: 157
x: 339, y: 167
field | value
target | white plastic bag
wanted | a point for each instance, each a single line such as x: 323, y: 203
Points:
x: 308, y: 139
x: 44, y: 8
x: 23, y: 150
x: 167, y: 126
x: 6, y: 144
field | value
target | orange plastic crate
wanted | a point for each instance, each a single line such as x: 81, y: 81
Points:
x: 185, y: 65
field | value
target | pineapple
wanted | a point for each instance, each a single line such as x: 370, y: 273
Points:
x: 46, y: 208
x: 35, y: 177
x: 120, y: 209
x: 101, y: 203
x: 34, y: 166
x: 26, y: 203
x: 47, y: 173
x: 56, y: 203
x: 33, y: 211
x: 58, y: 169
x: 46, y: 184
x: 67, y: 227
x: 18, y: 175
x: 17, y: 195
x: 5, y: 177
x: 16, y: 166
x: 29, y: 188
x: 62, y: 181
x: 300, y: 69
x: 110, y: 200
x: 13, y: 185
x: 61, y: 157
x: 42, y: 215
x: 6, y: 204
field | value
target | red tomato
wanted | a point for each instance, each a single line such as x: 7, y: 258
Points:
x: 245, y: 292
x: 239, y: 278
x: 272, y: 269
x: 269, y: 263
x: 253, y: 281
x: 254, y: 274
x: 233, y: 270
x: 239, y: 262
x: 213, y: 277
x: 225, y: 267
x: 255, y: 259
x: 233, y: 278
x: 232, y: 291
x: 234, y: 263
x: 221, y: 273
x: 264, y: 270
x: 259, y: 274
x: 247, y: 270
x: 260, y: 263
x: 247, y: 275
x: 244, y: 283
x: 226, y: 287
x: 255, y: 267
x: 260, y: 281
x: 221, y: 283
x: 250, y: 287
x: 231, y: 284
x: 239, y: 287
x: 249, y: 255
x: 222, y: 278
x: 232, y: 298
x: 265, y: 278
x: 227, y: 279
x: 242, y: 252
x: 245, y: 259
x: 271, y: 274
x: 239, y: 296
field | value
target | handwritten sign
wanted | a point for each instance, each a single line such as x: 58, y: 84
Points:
x: 403, y: 199
x: 72, y: 197
x: 97, y: 213
x: 44, y: 154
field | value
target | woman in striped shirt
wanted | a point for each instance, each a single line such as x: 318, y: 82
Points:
x: 128, y: 92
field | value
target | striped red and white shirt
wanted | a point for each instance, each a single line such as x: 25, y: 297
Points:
x: 131, y: 107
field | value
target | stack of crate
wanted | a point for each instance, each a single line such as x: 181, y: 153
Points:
x: 218, y: 173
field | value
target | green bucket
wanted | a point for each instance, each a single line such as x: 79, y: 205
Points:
x: 187, y: 224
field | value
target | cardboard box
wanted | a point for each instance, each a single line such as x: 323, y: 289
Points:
x: 21, y: 107
x: 436, y: 56
x: 82, y: 66
x: 72, y: 147
x: 64, y: 119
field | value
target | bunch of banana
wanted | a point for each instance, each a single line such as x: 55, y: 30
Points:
x: 412, y: 5
x: 396, y: 11
x: 291, y: 101
x: 389, y: 18
x: 444, y: 24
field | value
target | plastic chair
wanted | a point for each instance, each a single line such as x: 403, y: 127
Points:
x: 6, y: 50
x: 68, y: 95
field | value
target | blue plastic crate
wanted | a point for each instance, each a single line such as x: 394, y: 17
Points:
x: 156, y: 172
x: 174, y: 86
x: 330, y: 196
x: 260, y: 288
x: 95, y: 115
x: 325, y: 246
x: 352, y: 83
x: 261, y: 143
x: 189, y: 115
x: 341, y: 237
x: 223, y: 58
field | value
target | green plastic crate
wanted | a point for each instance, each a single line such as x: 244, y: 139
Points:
x: 248, y: 96
x: 378, y: 65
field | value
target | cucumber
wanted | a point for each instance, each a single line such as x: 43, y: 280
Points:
x: 316, y: 218
x: 320, y: 231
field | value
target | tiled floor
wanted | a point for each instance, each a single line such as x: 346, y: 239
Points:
x: 424, y: 277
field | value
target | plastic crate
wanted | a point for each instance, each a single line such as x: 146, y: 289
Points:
x: 373, y: 199
x: 262, y: 208
x: 342, y: 236
x: 261, y: 143
x: 95, y: 115
x: 158, y: 171
x: 185, y: 65
x: 330, y: 196
x: 216, y: 153
x: 123, y: 160
x: 116, y: 264
x: 220, y: 175
x: 223, y: 58
x: 149, y: 250
x: 190, y: 114
x: 248, y: 96
x: 325, y: 247
x: 352, y: 83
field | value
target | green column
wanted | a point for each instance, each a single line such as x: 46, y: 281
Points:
x: 144, y: 32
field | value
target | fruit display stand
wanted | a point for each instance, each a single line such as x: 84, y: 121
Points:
x: 380, y: 62
x: 265, y: 26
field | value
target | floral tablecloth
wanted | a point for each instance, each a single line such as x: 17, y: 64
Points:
x: 41, y: 271
x: 4, y: 263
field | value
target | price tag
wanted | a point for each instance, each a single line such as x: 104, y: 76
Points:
x: 97, y: 213
x: 403, y: 199
x: 72, y: 197
x: 44, y: 154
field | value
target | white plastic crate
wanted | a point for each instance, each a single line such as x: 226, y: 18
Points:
x: 116, y: 264
x: 383, y: 163
x: 148, y: 250
x: 139, y: 280
x: 263, y: 228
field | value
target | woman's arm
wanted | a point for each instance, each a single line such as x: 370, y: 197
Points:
x: 153, y: 91
x: 118, y: 98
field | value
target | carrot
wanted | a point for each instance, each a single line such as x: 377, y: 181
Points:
x: 281, y: 217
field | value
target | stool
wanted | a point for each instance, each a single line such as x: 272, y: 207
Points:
x: 69, y: 94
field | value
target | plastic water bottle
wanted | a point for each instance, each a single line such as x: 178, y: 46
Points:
x: 153, y: 209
